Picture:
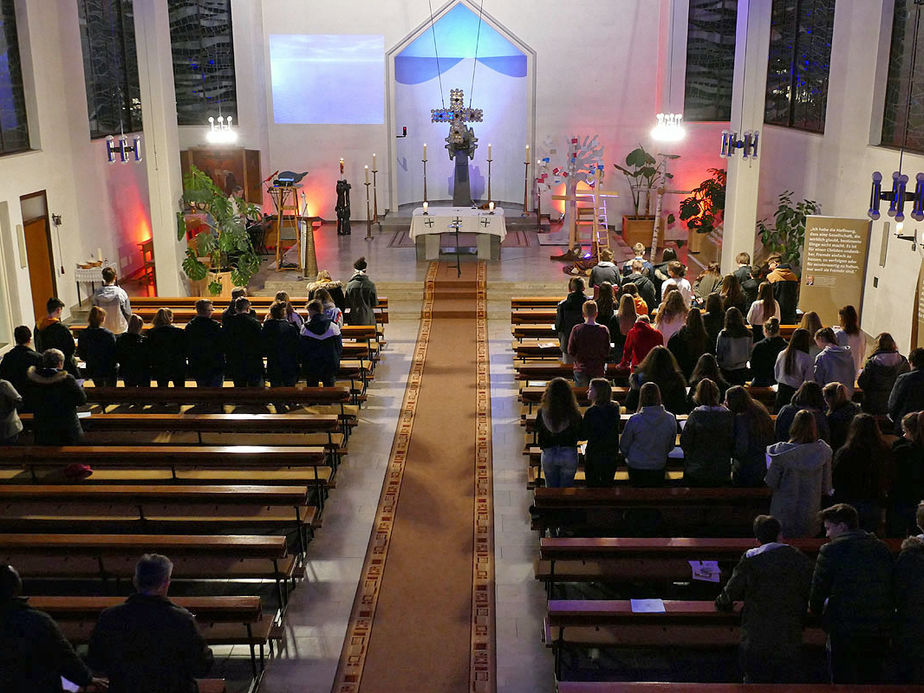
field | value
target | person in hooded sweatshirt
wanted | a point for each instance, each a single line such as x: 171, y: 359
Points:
x: 799, y: 474
x: 114, y: 301
x: 646, y: 288
x: 879, y: 374
x: 605, y: 270
x: 57, y: 396
x: 834, y: 363
x: 320, y: 347
x: 51, y: 333
x: 360, y: 295
x: 280, y: 344
x: 568, y: 314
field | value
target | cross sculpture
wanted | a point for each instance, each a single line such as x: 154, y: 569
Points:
x: 461, y: 142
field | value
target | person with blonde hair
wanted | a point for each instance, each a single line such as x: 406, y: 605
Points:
x: 677, y: 280
x: 334, y: 287
x: 622, y: 322
x: 811, y: 322
x: 763, y: 309
x: 558, y: 423
x: 672, y: 313
x: 96, y: 345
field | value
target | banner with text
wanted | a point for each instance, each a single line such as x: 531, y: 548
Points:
x: 917, y: 324
x: 833, y: 265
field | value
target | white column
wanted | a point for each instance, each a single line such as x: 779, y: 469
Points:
x: 161, y: 142
x: 752, y: 44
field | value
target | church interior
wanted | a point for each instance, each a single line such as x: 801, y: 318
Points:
x: 398, y: 530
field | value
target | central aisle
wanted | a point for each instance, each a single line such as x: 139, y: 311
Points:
x: 423, y: 618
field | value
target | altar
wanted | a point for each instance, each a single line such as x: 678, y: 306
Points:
x: 489, y: 229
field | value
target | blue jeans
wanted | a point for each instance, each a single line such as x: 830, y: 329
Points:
x: 559, y: 464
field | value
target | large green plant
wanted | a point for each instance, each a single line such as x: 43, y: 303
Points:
x: 704, y: 209
x: 787, y: 233
x: 643, y: 174
x: 226, y: 242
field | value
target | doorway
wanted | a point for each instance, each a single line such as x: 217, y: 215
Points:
x: 39, y: 250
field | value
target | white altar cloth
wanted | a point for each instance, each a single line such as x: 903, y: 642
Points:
x: 473, y: 221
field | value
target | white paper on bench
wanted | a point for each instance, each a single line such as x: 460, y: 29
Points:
x: 705, y: 571
x: 647, y: 606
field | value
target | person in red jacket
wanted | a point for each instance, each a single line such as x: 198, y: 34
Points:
x: 641, y: 339
x: 589, y: 346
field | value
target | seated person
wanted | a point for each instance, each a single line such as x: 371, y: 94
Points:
x: 17, y: 361
x: 52, y: 333
x: 57, y: 394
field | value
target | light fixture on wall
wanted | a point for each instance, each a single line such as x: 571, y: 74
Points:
x: 747, y: 143
x: 123, y: 150
x: 221, y: 132
x: 669, y: 127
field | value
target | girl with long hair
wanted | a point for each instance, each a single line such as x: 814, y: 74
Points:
x: 732, y: 295
x: 96, y: 345
x: 861, y: 470
x: 848, y: 334
x: 671, y: 314
x: 707, y: 439
x: 707, y: 367
x: 558, y: 423
x: 713, y: 319
x: 132, y: 354
x: 809, y: 397
x: 709, y: 280
x: 689, y: 342
x: 753, y: 432
x: 906, y: 488
x: 601, y: 429
x: 291, y: 314
x: 841, y: 411
x: 811, y: 322
x: 733, y: 348
x: 622, y: 322
x: 879, y: 374
x: 765, y: 353
x: 794, y: 366
x: 764, y: 308
x: 659, y: 367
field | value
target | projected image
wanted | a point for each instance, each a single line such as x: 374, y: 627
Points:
x: 328, y: 78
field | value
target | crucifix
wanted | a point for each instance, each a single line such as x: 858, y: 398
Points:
x: 455, y: 225
x: 461, y: 142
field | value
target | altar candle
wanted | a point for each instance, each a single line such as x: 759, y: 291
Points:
x: 373, y: 161
x: 426, y: 206
x: 489, y: 151
x: 99, y: 253
x: 367, y: 173
x: 425, y: 152
x: 527, y: 152
x: 490, y: 206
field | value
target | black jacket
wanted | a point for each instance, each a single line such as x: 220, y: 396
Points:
x: 568, y: 314
x: 600, y: 273
x: 34, y: 655
x: 319, y: 347
x: 56, y: 398
x: 907, y: 484
x: 773, y: 582
x: 673, y: 394
x: 149, y: 645
x: 907, y: 395
x: 133, y: 358
x: 786, y: 291
x: 243, y: 346
x: 97, y: 347
x: 852, y: 585
x: 205, y: 348
x: 684, y: 352
x: 749, y: 285
x: 878, y: 378
x: 763, y: 360
x: 51, y: 333
x: 908, y: 593
x: 839, y: 424
x: 646, y: 289
x: 280, y: 344
x: 334, y: 288
x: 167, y: 349
x: 16, y: 362
x: 713, y: 325
x: 708, y: 443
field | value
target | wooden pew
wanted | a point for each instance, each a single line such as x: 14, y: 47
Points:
x: 220, y: 303
x: 681, y: 511
x: 546, y: 370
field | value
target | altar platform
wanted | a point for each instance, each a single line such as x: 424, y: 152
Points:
x: 427, y: 228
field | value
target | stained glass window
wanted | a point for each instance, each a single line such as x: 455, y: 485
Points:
x: 14, y: 129
x: 203, y: 60
x: 710, y: 59
x: 901, y: 80
x: 110, y: 66
x: 799, y: 63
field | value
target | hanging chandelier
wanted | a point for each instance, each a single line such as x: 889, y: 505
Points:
x: 669, y: 128
x: 123, y: 150
x: 221, y: 131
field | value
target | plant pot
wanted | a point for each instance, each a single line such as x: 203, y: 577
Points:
x: 639, y: 229
x: 201, y: 287
x: 696, y: 241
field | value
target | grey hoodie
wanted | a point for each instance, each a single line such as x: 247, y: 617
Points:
x: 114, y: 301
x: 834, y: 364
x: 799, y: 474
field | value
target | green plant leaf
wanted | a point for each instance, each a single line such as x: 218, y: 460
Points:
x: 214, y: 288
x: 194, y: 269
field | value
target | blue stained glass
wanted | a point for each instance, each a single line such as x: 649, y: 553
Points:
x: 14, y: 128
x: 897, y: 130
x: 710, y: 68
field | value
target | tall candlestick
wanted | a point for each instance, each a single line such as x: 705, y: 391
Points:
x: 489, y: 151
x: 425, y: 152
x: 373, y: 161
x: 366, y: 168
x: 527, y: 152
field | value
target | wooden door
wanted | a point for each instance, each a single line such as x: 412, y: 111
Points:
x: 41, y: 264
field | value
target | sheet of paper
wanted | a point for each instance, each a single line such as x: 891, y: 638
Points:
x: 69, y: 685
x: 84, y: 414
x: 647, y: 606
x: 705, y: 571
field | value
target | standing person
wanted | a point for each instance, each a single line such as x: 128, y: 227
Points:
x: 908, y: 391
x: 840, y: 413
x: 641, y: 339
x: 708, y: 439
x: 243, y: 346
x: 97, y: 347
x: 17, y: 361
x: 205, y: 347
x: 708, y: 281
x: 785, y: 284
x: 631, y: 290
x: 765, y: 353
x: 908, y: 593
x: 732, y: 295
x: 834, y: 363
x: 713, y: 320
x: 878, y: 376
x: 706, y: 367
x: 753, y: 432
x: 280, y: 344
x: 646, y: 288
x: 360, y: 295
x: 149, y: 643
x: 852, y: 592
x: 10, y: 402
x: 907, y: 478
x: 659, y: 273
x: 236, y: 293
x: 622, y: 322
x: 639, y: 250
x: 605, y: 270
x: 291, y: 314
x: 648, y: 439
x: 794, y: 366
x: 51, y: 333
x: 132, y: 355
x: 35, y: 654
x: 848, y: 334
x: 558, y: 423
x: 671, y: 314
x: 589, y: 346
x: 319, y: 347
x: 606, y: 305
x: 733, y: 348
x: 676, y: 278
x: 331, y: 310
x: 167, y: 350
x: 809, y: 396
x: 811, y: 322
x: 763, y: 309
x: 601, y: 429
x: 744, y: 273
x: 334, y: 287
x: 114, y: 301
x: 773, y: 581
x: 568, y: 313
x: 799, y: 473
x: 861, y: 470
x: 689, y: 342
x: 57, y: 396
x: 659, y: 367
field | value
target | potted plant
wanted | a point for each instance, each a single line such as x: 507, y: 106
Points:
x: 787, y: 234
x: 704, y: 210
x: 220, y: 256
x: 643, y: 174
